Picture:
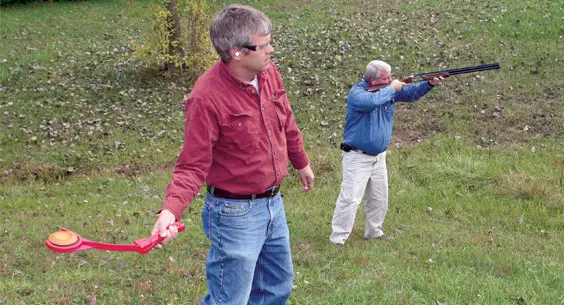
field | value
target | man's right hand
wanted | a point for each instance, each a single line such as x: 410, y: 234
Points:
x: 166, y: 219
x: 397, y: 85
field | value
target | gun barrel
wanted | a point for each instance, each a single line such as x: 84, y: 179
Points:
x: 464, y: 70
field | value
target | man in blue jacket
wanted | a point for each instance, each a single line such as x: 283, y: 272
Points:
x: 370, y: 116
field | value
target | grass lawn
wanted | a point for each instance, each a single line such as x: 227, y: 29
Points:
x: 88, y: 138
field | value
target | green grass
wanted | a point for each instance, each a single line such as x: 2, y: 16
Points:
x: 476, y: 245
x: 72, y: 96
x: 88, y: 138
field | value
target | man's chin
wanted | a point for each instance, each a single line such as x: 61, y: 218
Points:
x: 263, y: 68
x: 266, y: 66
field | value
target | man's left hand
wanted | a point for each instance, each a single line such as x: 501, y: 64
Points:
x: 307, y: 178
x: 435, y: 81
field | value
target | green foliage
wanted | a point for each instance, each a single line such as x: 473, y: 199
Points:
x: 195, y: 51
x: 88, y: 140
x: 457, y: 241
x: 70, y: 95
x: 11, y: 2
x: 198, y: 14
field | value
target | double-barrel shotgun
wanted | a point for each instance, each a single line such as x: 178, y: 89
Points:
x: 443, y: 74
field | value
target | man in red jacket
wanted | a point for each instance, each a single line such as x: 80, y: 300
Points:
x: 239, y: 135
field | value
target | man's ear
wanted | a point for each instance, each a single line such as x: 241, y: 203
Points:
x: 372, y: 81
x: 235, y: 52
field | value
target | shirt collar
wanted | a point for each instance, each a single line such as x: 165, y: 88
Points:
x: 363, y: 84
x: 261, y: 76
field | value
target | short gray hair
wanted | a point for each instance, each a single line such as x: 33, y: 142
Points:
x: 234, y: 25
x: 374, y: 69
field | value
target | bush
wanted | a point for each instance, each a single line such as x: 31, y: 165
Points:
x: 192, y: 50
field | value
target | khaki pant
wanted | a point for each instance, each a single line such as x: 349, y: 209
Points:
x: 363, y: 176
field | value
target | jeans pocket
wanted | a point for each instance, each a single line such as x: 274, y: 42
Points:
x: 234, y: 208
x: 206, y: 214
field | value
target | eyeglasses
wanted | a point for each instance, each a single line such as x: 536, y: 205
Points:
x: 255, y: 47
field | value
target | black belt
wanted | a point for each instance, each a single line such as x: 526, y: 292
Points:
x: 271, y: 192
x: 347, y: 147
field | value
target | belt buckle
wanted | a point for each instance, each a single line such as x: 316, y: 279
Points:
x: 274, y: 190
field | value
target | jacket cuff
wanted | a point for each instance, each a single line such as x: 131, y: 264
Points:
x: 301, y: 162
x: 175, y: 206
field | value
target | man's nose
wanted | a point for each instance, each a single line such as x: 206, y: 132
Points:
x: 270, y: 49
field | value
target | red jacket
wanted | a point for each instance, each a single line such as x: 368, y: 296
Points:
x: 235, y: 138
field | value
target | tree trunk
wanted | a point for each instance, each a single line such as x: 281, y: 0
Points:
x: 173, y: 27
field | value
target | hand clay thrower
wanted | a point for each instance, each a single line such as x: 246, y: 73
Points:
x: 68, y: 241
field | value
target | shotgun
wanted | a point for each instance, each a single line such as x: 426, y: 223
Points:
x: 443, y: 74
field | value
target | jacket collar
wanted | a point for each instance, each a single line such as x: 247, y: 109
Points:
x: 363, y: 84
x: 262, y: 76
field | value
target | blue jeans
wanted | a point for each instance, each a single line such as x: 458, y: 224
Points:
x: 249, y: 261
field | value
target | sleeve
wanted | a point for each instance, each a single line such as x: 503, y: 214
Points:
x: 363, y: 101
x: 413, y: 92
x: 294, y: 141
x: 200, y: 135
x: 296, y: 152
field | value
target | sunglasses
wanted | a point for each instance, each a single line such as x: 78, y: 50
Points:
x: 256, y: 47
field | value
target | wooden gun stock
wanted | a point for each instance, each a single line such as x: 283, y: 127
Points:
x: 419, y: 78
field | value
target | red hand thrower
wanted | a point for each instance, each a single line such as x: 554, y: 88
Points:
x: 69, y: 241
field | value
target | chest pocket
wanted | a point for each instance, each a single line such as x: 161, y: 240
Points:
x: 241, y: 132
x: 387, y: 108
x: 279, y: 99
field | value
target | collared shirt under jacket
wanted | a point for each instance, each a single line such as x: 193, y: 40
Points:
x: 370, y: 115
x: 236, y: 138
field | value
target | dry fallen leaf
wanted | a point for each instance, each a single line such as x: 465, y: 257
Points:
x: 90, y: 300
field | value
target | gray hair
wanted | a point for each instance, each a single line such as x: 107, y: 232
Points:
x: 234, y: 25
x: 374, y: 69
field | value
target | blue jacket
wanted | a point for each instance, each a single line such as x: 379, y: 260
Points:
x: 370, y: 115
